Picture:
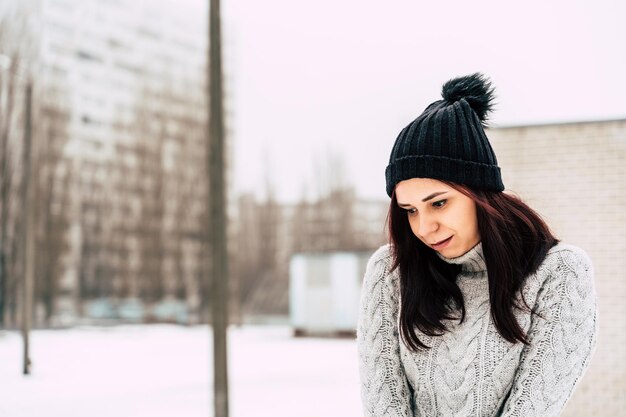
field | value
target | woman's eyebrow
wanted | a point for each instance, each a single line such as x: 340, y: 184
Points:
x: 433, y: 195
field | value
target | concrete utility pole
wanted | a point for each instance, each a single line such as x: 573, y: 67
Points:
x: 216, y: 196
x: 28, y: 236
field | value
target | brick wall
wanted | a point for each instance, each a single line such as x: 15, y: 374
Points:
x: 574, y: 175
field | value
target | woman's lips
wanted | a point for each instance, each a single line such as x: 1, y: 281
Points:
x: 442, y: 244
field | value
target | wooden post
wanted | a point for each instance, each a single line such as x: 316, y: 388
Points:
x: 216, y: 196
x: 28, y: 227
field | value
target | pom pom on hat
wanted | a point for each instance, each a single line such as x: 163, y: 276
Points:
x: 475, y: 89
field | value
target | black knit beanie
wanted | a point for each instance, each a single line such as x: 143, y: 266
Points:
x: 447, y: 141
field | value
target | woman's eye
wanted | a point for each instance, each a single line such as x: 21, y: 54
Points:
x: 439, y: 203
x: 411, y: 211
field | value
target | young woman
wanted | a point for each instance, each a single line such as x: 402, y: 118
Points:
x: 474, y: 309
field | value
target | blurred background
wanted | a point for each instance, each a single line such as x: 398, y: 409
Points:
x: 103, y: 111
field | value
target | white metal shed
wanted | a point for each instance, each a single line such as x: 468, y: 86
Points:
x: 324, y: 291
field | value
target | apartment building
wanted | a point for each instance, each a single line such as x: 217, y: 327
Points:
x: 131, y: 75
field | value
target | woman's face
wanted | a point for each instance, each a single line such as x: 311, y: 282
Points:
x: 440, y: 216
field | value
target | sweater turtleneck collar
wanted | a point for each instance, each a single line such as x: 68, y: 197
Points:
x: 472, y: 261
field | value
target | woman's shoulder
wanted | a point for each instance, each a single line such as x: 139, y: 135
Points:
x: 379, y: 286
x: 382, y: 254
x: 564, y: 264
x: 378, y: 264
x: 565, y: 255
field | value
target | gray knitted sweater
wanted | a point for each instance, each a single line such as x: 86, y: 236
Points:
x: 472, y: 371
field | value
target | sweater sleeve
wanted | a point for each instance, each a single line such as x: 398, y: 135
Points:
x: 561, y: 345
x: 384, y: 387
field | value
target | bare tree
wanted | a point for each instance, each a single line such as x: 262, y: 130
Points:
x: 170, y: 134
x: 52, y: 119
x: 16, y: 47
x: 151, y: 126
x: 257, y: 266
x: 326, y: 222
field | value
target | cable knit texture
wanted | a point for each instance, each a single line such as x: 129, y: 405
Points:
x: 472, y: 371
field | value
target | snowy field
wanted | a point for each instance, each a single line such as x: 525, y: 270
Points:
x: 163, y: 370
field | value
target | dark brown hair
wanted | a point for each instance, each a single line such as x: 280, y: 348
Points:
x: 515, y: 240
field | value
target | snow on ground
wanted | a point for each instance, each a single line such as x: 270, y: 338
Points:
x: 165, y: 370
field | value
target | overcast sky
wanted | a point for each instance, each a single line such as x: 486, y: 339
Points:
x: 313, y: 78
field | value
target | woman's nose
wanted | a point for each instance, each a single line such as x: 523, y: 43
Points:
x: 427, y: 225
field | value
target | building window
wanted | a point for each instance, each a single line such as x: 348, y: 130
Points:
x: 87, y: 56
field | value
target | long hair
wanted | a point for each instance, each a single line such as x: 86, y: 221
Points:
x: 515, y: 241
